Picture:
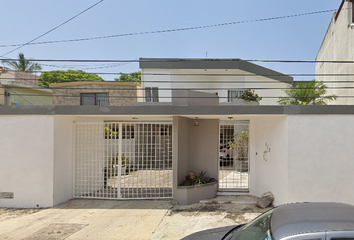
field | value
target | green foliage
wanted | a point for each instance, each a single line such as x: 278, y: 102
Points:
x: 131, y: 77
x: 249, y: 95
x: 22, y: 64
x: 110, y: 134
x: 312, y: 93
x: 113, y: 162
x: 240, y: 143
x: 192, y: 179
x: 59, y: 76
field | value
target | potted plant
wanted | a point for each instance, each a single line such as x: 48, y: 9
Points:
x: 196, y: 187
x: 240, y: 144
x: 250, y: 96
x: 193, y: 179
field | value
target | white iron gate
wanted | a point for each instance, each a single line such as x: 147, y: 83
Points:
x: 123, y: 160
x: 234, y: 172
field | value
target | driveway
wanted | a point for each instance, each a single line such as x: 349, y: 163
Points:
x: 110, y: 219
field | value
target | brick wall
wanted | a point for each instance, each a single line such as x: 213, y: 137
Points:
x: 21, y: 77
x: 119, y: 95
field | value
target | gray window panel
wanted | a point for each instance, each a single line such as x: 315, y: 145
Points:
x: 155, y: 94
x: 352, y: 12
x: 151, y: 94
x: 88, y: 99
x: 92, y: 99
x: 148, y: 94
x: 102, y: 99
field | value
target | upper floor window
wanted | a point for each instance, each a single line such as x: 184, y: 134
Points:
x: 233, y: 95
x: 151, y: 94
x: 99, y: 99
x: 352, y: 11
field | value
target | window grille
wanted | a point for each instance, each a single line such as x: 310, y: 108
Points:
x: 234, y: 171
x: 233, y: 95
x: 99, y: 99
x: 117, y: 160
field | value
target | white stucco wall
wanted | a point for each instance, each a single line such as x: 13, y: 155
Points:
x: 63, y: 159
x: 338, y: 45
x: 320, y: 158
x: 167, y: 79
x: 26, y: 160
x: 271, y: 174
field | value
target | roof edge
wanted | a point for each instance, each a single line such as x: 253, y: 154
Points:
x: 80, y: 83
x: 213, y: 63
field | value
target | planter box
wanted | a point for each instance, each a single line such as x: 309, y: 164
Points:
x: 242, y: 165
x: 186, y: 195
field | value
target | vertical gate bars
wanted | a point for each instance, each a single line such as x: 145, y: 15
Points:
x: 234, y: 174
x: 123, y: 160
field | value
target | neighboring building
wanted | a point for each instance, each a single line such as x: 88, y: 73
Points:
x: 338, y: 45
x: 96, y: 93
x: 16, y: 93
x: 18, y: 76
x: 226, y: 78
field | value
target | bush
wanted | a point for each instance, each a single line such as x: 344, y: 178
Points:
x: 249, y: 95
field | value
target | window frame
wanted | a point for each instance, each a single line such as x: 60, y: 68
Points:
x: 151, y: 94
x: 95, y: 98
x: 229, y: 97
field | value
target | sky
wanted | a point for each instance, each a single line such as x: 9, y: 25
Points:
x: 292, y: 38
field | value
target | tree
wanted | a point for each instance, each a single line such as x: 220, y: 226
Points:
x: 22, y: 64
x: 312, y: 93
x: 131, y: 77
x: 59, y: 76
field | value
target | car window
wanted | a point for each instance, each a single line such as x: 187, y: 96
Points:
x: 259, y: 228
x: 340, y: 235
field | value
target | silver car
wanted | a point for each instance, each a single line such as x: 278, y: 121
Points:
x: 298, y: 221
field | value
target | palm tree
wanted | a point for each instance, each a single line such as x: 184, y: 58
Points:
x: 312, y: 93
x: 22, y: 64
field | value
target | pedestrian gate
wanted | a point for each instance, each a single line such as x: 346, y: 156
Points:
x: 123, y: 160
x: 234, y: 174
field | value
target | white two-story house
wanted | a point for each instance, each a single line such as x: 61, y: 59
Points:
x: 227, y: 78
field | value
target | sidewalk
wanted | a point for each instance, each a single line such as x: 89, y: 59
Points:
x: 109, y: 219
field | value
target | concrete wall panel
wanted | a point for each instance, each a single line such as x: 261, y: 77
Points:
x: 321, y: 158
x: 63, y: 159
x: 269, y: 171
x: 26, y: 160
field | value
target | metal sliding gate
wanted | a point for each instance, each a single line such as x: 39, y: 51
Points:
x: 122, y: 160
x: 234, y: 174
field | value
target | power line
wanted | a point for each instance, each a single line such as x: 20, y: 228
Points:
x: 51, y: 30
x: 176, y: 29
x: 132, y: 88
x: 169, y: 97
x: 182, y: 60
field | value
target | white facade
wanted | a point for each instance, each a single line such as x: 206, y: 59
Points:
x: 26, y: 160
x: 338, y: 45
x: 296, y: 157
x: 217, y: 76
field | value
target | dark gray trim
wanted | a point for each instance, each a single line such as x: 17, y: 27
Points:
x: 206, y: 63
x: 175, y: 110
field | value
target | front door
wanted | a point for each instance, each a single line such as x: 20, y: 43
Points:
x: 234, y: 174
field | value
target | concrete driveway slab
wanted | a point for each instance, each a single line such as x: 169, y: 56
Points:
x: 98, y: 219
x: 138, y: 219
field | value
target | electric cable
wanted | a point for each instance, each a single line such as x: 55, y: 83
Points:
x: 173, y: 30
x: 51, y: 30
